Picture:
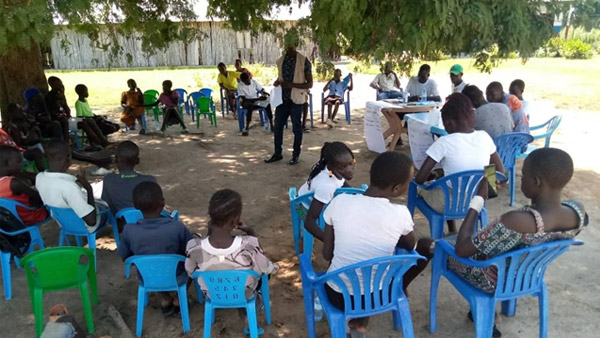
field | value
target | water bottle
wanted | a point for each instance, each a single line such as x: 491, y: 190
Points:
x: 423, y: 94
x: 318, y: 309
x: 405, y: 96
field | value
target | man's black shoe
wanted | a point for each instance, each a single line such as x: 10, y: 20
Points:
x: 294, y: 160
x: 274, y: 158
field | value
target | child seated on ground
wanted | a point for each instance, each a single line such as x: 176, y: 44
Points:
x: 170, y: 100
x: 96, y: 127
x: 333, y: 170
x: 546, y: 172
x: 362, y: 227
x: 155, y: 234
x: 117, y: 189
x: 337, y: 87
x: 463, y: 149
x: 59, y: 189
x: 132, y: 102
x: 221, y: 250
x: 18, y: 189
x: 248, y: 90
x: 495, y: 93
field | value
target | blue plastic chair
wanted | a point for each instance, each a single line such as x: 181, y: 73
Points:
x: 183, y: 100
x: 226, y: 290
x: 206, y: 92
x: 464, y: 186
x: 385, y: 272
x: 298, y: 229
x: 508, y: 147
x: 520, y: 273
x: 159, y: 274
x: 71, y: 224
x: 224, y: 103
x: 550, y: 126
x: 36, y: 240
x: 132, y: 215
x: 345, y: 102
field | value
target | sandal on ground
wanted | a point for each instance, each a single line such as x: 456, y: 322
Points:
x: 495, y: 333
x: 58, y: 311
x: 358, y: 329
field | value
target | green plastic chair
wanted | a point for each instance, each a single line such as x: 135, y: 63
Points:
x: 151, y: 96
x: 205, y: 106
x: 56, y: 269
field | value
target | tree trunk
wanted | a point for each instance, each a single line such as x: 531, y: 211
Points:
x: 20, y: 69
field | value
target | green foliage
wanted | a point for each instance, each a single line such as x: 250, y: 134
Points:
x: 361, y: 67
x: 577, y: 49
x: 22, y: 21
x: 552, y: 48
x: 586, y: 14
x: 265, y: 75
x: 324, y: 70
x: 592, y: 37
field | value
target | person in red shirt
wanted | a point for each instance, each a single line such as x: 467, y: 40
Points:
x: 18, y: 189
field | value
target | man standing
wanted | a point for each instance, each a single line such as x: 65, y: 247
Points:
x: 295, y: 78
x: 387, y: 83
x: 456, y: 73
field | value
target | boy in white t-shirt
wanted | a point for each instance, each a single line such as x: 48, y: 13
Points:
x: 463, y: 149
x: 362, y: 227
x: 332, y: 171
x: 248, y: 92
x: 416, y: 84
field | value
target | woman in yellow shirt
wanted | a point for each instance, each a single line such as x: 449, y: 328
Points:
x: 228, y: 81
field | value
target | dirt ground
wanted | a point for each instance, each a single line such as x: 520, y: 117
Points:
x: 191, y: 167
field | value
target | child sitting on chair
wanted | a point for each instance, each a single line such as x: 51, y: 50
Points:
x: 546, y: 172
x: 362, y: 227
x: 463, y: 149
x: 117, y: 189
x: 337, y: 87
x: 170, y: 100
x: 96, y: 127
x: 333, y: 170
x: 222, y: 250
x: 62, y: 190
x: 248, y: 90
x: 495, y: 93
x: 132, y: 102
x: 17, y: 189
x: 155, y: 234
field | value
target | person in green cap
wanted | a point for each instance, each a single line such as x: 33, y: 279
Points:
x: 456, y: 73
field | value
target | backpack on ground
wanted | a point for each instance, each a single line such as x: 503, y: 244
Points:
x: 18, y: 244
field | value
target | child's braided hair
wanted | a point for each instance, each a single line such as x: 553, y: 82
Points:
x: 329, y: 152
x: 224, y: 205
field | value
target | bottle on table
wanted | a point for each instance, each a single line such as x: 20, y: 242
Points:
x: 423, y: 94
x: 405, y: 96
x: 318, y: 309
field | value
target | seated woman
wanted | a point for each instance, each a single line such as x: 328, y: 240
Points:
x: 546, y: 172
x: 463, y: 149
x: 333, y: 170
x: 336, y: 87
x: 495, y: 93
x: 132, y: 102
x: 494, y: 118
x: 170, y: 100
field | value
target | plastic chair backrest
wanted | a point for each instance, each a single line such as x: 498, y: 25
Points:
x: 521, y: 272
x: 11, y: 205
x: 364, y: 278
x: 457, y: 199
x: 159, y: 272
x: 194, y: 96
x: 206, y: 92
x: 182, y: 94
x: 226, y: 288
x: 69, y: 221
x: 509, y: 146
x: 203, y: 104
x: 551, y: 126
x: 58, y: 268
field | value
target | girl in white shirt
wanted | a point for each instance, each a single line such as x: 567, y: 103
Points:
x: 333, y: 169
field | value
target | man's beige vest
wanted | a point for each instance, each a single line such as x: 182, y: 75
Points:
x: 299, y: 96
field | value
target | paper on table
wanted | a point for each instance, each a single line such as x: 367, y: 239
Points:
x: 276, y: 97
x: 373, y: 130
x: 419, y: 139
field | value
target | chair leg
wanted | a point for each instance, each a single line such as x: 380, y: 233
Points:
x: 438, y: 261
x: 252, y: 322
x: 208, y: 315
x: 402, y: 319
x: 513, y: 177
x: 509, y: 307
x: 266, y: 297
x: 337, y: 325
x: 38, y: 306
x: 198, y: 292
x: 348, y: 116
x: 92, y: 246
x: 483, y: 310
x: 543, y: 304
x: 142, y: 296
x: 115, y: 228
x: 5, y: 263
x: 78, y: 241
x: 183, y: 306
x: 87, y: 306
x: 436, y: 226
x: 309, y: 309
